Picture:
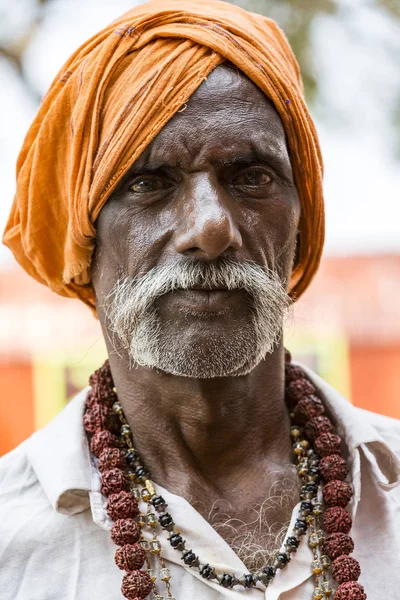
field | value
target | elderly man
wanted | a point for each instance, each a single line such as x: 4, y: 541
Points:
x: 172, y: 181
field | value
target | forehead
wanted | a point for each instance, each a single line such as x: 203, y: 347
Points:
x: 227, y: 115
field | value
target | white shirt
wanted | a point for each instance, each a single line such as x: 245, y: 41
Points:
x: 54, y: 532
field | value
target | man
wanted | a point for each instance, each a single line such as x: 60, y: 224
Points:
x: 172, y: 181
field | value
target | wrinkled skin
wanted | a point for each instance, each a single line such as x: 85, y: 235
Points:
x: 217, y: 181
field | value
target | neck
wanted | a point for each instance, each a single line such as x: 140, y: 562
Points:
x: 207, y: 434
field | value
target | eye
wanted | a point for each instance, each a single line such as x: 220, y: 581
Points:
x: 252, y: 178
x: 147, y: 184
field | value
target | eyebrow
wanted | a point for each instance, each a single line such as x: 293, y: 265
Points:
x: 274, y: 156
x: 255, y: 155
x: 269, y: 153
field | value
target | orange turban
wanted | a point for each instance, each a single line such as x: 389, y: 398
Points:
x: 110, y: 100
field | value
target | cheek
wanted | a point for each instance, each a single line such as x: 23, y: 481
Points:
x: 129, y: 241
x: 270, y: 232
x: 148, y: 234
x: 108, y: 257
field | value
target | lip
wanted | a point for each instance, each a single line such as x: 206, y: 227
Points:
x: 203, y: 300
x: 205, y: 289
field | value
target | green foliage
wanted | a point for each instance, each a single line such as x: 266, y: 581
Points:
x: 391, y: 6
x: 295, y: 17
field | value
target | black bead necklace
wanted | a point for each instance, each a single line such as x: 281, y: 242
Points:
x: 309, y: 508
x: 324, y: 494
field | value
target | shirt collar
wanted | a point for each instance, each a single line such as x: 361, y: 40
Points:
x: 60, y: 454
x: 357, y: 432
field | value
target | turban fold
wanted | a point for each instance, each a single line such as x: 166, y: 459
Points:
x: 110, y: 100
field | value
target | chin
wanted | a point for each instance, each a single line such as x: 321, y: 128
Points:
x: 201, y: 353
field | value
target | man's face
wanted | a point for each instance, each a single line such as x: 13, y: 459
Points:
x: 205, y: 224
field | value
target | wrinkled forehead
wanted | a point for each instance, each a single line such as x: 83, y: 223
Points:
x: 227, y: 115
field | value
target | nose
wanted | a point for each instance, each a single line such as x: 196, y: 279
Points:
x: 207, y: 229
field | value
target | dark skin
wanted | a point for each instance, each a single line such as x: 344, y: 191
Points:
x: 216, y: 182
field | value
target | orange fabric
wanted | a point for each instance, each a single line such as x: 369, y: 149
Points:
x: 111, y: 99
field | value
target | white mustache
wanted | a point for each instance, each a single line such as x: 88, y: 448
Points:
x: 227, y: 274
x: 133, y: 318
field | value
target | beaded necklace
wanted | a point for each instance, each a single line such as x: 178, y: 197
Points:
x: 324, y: 494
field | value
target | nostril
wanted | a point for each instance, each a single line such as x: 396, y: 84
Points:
x: 208, y: 237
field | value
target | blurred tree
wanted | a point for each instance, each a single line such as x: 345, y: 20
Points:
x: 18, y: 26
x: 392, y: 6
x: 296, y: 18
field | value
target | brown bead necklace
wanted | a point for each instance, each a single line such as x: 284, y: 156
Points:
x: 324, y: 495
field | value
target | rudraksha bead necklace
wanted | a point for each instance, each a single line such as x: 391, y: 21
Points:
x: 324, y: 494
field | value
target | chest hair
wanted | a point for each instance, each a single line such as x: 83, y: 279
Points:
x: 257, y: 536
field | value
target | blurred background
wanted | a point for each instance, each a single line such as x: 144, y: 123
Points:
x: 347, y: 327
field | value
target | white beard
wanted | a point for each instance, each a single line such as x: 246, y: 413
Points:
x: 133, y: 319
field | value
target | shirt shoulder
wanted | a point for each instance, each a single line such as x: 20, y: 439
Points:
x: 21, y: 533
x: 35, y: 538
x: 21, y: 498
x: 387, y: 427
x: 17, y: 478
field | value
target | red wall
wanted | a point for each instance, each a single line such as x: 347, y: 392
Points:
x: 16, y: 404
x: 375, y: 378
x: 374, y: 372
